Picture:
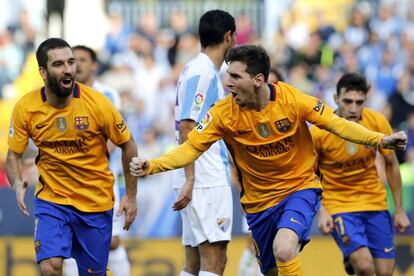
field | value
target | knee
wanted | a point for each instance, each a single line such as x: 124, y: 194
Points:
x: 115, y: 242
x: 364, y: 266
x: 284, y: 252
x: 51, y: 267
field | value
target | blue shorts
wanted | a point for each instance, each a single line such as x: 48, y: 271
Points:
x: 63, y: 231
x: 365, y: 229
x: 295, y: 212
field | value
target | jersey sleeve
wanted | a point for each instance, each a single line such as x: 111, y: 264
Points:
x: 18, y: 130
x: 318, y: 113
x: 113, y: 125
x: 199, y: 94
x: 209, y: 130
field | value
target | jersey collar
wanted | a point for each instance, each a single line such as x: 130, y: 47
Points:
x: 76, y: 92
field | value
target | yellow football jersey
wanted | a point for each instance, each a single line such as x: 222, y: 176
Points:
x: 73, y: 166
x: 272, y: 149
x: 349, y: 174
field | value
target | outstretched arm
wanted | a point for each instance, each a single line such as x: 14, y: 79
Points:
x: 128, y: 203
x: 177, y: 158
x: 392, y: 171
x: 13, y: 171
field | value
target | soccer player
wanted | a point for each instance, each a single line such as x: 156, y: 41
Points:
x: 86, y: 67
x: 264, y: 127
x: 203, y: 189
x: 354, y: 202
x: 70, y: 124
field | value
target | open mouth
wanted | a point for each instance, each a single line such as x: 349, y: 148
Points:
x: 67, y: 83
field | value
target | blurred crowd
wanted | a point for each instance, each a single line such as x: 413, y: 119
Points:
x: 143, y: 61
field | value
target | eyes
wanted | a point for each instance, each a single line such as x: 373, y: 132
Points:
x: 349, y: 102
x: 59, y: 63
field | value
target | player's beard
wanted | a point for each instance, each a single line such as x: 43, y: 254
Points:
x: 57, y: 89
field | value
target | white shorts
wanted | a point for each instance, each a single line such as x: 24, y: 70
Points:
x: 117, y: 222
x: 208, y: 217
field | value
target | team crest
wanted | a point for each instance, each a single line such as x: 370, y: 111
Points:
x: 61, y: 124
x: 198, y: 101
x: 223, y: 223
x: 283, y: 125
x: 351, y: 148
x: 204, y: 122
x: 263, y: 129
x: 81, y: 123
x: 37, y: 246
x: 345, y: 239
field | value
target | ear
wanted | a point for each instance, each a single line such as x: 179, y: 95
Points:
x: 335, y: 97
x: 43, y: 73
x: 228, y: 37
x: 259, y: 80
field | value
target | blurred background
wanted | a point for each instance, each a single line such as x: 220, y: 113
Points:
x: 142, y: 46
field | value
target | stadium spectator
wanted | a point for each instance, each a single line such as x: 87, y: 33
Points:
x: 354, y: 202
x: 203, y: 189
x: 264, y: 127
x: 86, y: 68
x: 74, y: 196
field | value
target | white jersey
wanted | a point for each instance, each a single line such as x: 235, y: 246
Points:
x: 198, y: 88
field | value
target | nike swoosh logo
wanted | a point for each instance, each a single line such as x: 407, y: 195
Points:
x: 241, y: 132
x: 388, y: 249
x: 40, y: 126
x: 295, y: 221
x: 91, y: 271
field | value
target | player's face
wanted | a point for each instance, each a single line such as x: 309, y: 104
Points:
x: 241, y: 84
x: 60, y: 73
x: 350, y: 104
x: 85, y: 66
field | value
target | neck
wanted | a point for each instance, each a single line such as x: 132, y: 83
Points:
x: 262, y: 98
x: 57, y: 102
x: 89, y: 82
x: 216, y: 54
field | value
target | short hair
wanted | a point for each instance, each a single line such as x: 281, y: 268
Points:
x: 46, y: 46
x: 352, y: 81
x: 90, y: 51
x: 255, y: 57
x: 213, y: 25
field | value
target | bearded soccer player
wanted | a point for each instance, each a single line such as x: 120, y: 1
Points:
x: 264, y: 127
x: 70, y: 124
x: 354, y: 202
x: 86, y: 67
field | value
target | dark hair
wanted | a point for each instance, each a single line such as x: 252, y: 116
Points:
x: 255, y: 57
x: 352, y: 81
x: 91, y: 52
x: 46, y: 46
x: 213, y: 25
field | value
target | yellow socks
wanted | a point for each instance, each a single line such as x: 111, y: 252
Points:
x: 290, y: 268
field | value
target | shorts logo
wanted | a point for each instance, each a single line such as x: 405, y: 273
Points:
x: 91, y: 271
x: 388, y: 249
x: 295, y: 221
x: 61, y: 124
x: 223, y: 223
x: 37, y: 246
x: 351, y: 148
x: 81, y: 123
x: 204, y: 122
x: 263, y: 129
x: 283, y: 125
x: 198, y: 101
x: 345, y: 239
x: 11, y: 129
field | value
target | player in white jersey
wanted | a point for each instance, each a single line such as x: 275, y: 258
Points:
x: 203, y: 188
x: 86, y: 63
